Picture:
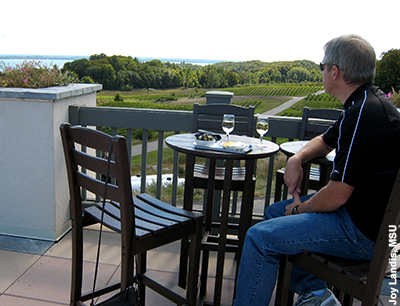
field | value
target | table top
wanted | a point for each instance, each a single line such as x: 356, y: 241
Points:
x: 290, y: 148
x: 185, y: 143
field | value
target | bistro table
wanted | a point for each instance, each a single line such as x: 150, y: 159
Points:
x: 290, y: 148
x: 185, y: 143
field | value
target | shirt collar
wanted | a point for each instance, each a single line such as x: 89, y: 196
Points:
x: 356, y: 93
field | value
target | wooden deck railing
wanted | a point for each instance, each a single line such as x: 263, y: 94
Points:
x: 168, y: 120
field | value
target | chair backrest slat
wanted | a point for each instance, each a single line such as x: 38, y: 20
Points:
x: 97, y: 186
x: 93, y: 163
x: 317, y: 121
x: 209, y: 117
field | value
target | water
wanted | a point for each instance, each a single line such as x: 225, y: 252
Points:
x: 59, y: 60
x: 47, y: 62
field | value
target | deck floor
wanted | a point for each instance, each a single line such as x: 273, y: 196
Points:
x: 37, y: 273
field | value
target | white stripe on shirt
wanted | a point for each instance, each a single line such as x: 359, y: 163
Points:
x: 354, y: 135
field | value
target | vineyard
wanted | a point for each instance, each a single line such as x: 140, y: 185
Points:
x: 262, y: 97
x: 291, y: 90
x: 322, y: 97
x: 323, y: 100
x: 255, y: 103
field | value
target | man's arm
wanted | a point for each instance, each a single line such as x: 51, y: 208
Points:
x: 328, y: 199
x: 294, y: 173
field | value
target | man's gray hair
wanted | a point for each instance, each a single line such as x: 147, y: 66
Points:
x: 354, y: 56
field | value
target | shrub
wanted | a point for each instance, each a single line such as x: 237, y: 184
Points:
x: 118, y: 97
x: 87, y: 79
x: 33, y: 74
x: 395, y: 97
x: 167, y: 98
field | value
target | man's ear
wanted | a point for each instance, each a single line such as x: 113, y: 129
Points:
x: 336, y: 72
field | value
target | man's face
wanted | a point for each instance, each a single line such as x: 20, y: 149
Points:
x: 326, y: 77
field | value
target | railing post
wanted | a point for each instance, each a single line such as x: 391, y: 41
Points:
x: 218, y: 97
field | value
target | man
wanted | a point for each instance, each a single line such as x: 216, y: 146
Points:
x: 343, y: 218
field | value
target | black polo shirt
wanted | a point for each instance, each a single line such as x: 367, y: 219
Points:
x: 367, y: 142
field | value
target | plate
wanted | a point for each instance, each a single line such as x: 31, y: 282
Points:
x: 236, y: 147
x: 205, y: 143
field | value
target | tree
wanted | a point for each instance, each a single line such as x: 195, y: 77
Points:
x: 78, y: 66
x: 388, y: 71
x: 213, y: 79
x: 102, y: 74
x: 97, y: 56
x: 299, y: 74
x: 120, y: 62
x: 232, y: 78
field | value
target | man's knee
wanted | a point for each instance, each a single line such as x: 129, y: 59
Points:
x: 276, y: 209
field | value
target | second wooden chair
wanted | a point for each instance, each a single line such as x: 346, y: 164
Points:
x: 349, y: 279
x: 314, y: 122
x: 209, y: 118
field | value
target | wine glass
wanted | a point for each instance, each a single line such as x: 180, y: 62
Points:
x: 262, y: 127
x: 228, y: 124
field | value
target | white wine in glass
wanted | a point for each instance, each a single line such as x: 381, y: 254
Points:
x: 262, y: 127
x: 228, y: 124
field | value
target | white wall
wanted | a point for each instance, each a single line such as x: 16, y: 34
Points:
x: 34, y: 199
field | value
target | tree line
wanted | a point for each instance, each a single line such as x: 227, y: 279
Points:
x: 126, y: 73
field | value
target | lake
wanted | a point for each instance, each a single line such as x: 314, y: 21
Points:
x: 59, y: 60
x: 48, y: 60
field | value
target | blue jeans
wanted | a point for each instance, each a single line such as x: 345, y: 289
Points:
x: 329, y: 233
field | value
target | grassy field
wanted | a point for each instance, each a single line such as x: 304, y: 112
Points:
x: 183, y: 96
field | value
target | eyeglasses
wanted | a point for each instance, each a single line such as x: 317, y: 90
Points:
x: 322, y: 65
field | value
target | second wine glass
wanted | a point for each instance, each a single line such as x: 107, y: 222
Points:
x: 228, y: 124
x: 262, y: 127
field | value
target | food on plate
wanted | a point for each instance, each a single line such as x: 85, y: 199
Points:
x: 205, y: 137
x: 234, y: 144
x: 229, y: 144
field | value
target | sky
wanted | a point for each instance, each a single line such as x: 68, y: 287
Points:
x: 229, y: 30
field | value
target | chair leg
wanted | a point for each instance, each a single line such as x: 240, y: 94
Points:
x: 283, y: 294
x: 347, y: 300
x: 141, y: 269
x: 183, y: 261
x: 204, y: 273
x: 77, y: 264
x: 194, y: 265
x: 278, y: 186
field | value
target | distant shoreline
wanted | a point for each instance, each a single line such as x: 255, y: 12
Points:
x: 19, y: 58
x: 38, y: 56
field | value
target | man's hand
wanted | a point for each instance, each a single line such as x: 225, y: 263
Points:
x: 296, y: 201
x: 293, y: 175
x: 294, y: 172
x: 327, y: 199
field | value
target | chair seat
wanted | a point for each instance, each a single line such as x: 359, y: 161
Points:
x: 352, y: 269
x: 348, y: 275
x: 201, y: 177
x: 153, y: 217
